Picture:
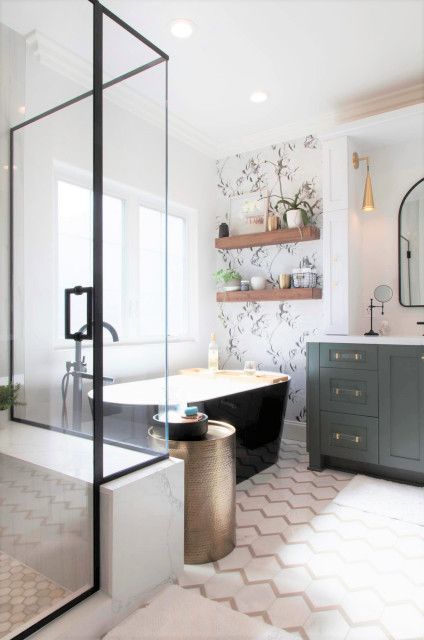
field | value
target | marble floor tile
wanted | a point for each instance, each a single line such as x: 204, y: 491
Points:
x: 319, y: 570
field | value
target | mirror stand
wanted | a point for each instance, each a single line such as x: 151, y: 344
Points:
x: 383, y: 293
x: 371, y: 307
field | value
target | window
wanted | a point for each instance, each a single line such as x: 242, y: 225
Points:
x: 151, y: 272
x: 133, y: 261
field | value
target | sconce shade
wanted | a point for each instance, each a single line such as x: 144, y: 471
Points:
x: 368, y: 201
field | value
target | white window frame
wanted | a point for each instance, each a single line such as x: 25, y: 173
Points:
x: 133, y: 199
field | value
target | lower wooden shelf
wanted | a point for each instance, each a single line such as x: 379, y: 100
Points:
x: 269, y: 294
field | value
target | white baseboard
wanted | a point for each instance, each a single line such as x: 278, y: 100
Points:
x: 294, y: 430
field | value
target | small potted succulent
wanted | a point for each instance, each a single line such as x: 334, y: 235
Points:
x: 8, y: 398
x: 295, y: 212
x: 229, y: 279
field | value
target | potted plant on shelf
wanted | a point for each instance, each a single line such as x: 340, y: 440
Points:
x: 296, y: 211
x: 8, y: 398
x: 229, y: 279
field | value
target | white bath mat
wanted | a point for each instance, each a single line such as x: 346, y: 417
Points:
x: 180, y: 614
x: 390, y: 499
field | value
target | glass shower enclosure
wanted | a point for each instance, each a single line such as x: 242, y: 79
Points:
x: 86, y: 110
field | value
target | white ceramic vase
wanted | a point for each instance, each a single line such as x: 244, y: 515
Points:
x: 257, y: 283
x: 294, y: 218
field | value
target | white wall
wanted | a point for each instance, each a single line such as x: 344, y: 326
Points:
x: 394, y: 169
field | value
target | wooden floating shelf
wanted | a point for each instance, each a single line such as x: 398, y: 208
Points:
x: 266, y: 238
x: 269, y: 294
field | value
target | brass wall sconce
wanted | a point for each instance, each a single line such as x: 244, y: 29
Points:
x: 368, y: 200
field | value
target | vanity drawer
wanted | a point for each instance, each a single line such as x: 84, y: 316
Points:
x: 348, y: 356
x: 349, y: 391
x: 348, y: 436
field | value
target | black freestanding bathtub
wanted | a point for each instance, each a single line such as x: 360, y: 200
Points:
x: 255, y: 407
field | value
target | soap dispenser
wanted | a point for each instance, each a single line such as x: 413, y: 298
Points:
x: 213, y: 354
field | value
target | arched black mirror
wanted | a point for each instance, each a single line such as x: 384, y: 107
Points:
x: 411, y: 247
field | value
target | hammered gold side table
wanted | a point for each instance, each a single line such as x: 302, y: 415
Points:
x: 210, y: 492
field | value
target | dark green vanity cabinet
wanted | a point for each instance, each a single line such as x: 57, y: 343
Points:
x: 365, y: 408
x: 401, y: 405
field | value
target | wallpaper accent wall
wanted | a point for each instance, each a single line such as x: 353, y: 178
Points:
x: 272, y: 333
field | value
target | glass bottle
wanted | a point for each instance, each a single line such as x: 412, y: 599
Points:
x: 213, y: 354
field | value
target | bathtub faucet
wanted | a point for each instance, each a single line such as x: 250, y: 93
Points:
x: 78, y: 371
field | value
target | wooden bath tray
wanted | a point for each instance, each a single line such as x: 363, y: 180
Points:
x: 271, y: 378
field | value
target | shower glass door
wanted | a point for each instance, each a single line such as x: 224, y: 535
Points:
x: 85, y: 122
x: 134, y: 249
x: 46, y: 459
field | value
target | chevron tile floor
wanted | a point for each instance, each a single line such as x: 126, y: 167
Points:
x: 316, y: 569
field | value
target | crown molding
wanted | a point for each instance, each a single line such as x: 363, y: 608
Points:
x: 382, y: 129
x: 389, y: 101
x: 79, y: 70
x: 346, y: 118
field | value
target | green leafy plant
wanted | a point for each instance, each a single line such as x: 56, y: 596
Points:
x: 226, y: 275
x: 9, y: 395
x: 289, y: 204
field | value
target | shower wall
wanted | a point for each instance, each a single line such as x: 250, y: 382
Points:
x: 12, y: 96
x: 57, y: 145
x: 45, y: 524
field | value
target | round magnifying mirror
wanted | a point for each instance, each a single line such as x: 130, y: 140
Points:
x: 383, y: 293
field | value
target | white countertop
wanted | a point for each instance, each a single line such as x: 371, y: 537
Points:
x: 63, y: 453
x: 400, y: 340
x: 181, y: 389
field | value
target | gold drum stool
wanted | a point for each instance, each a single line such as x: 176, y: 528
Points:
x: 210, y: 492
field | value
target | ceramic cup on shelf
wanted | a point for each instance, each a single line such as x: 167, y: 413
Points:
x: 284, y: 280
x: 245, y: 285
x: 257, y: 283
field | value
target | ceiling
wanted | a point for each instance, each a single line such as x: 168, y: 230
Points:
x: 319, y: 61
x: 314, y: 58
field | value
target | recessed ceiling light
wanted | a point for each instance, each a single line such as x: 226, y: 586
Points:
x: 22, y: 109
x: 259, y: 96
x: 182, y: 28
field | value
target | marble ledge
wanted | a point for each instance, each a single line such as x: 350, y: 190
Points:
x: 142, y: 525
x: 395, y: 340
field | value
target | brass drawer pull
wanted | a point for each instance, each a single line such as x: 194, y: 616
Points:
x: 356, y: 392
x: 356, y: 356
x: 347, y: 436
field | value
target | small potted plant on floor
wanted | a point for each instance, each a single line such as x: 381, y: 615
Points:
x: 229, y: 279
x: 295, y: 212
x: 8, y: 398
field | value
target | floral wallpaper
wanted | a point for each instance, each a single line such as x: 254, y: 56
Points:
x: 272, y: 333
